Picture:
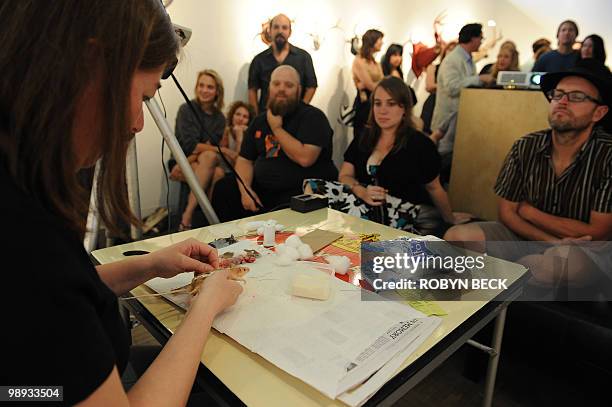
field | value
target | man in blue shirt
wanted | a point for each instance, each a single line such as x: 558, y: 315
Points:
x: 564, y: 57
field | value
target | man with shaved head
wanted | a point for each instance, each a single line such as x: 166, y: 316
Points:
x: 280, y: 52
x: 287, y: 143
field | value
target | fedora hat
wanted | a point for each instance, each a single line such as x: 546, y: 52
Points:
x: 591, y: 70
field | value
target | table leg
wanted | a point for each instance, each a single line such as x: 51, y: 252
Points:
x: 498, y: 333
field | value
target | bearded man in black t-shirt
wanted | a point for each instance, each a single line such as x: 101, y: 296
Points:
x: 287, y: 143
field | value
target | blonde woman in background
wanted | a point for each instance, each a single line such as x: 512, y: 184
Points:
x: 199, y: 135
x: 507, y: 60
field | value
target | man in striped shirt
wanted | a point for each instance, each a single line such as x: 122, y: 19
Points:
x: 555, y: 185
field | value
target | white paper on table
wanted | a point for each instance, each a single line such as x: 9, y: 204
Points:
x: 321, y: 350
x: 317, y: 341
x: 361, y: 394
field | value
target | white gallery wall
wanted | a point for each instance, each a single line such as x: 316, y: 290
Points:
x: 225, y: 39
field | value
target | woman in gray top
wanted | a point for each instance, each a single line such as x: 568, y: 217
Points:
x: 198, y: 137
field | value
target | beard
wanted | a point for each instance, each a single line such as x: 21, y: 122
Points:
x: 283, y: 107
x: 280, y: 41
x: 568, y: 123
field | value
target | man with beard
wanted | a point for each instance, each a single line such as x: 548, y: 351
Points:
x: 564, y: 57
x: 285, y: 144
x: 280, y: 52
x: 555, y: 185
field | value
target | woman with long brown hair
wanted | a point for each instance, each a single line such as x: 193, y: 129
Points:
x: 391, y: 174
x: 367, y: 72
x: 74, y: 76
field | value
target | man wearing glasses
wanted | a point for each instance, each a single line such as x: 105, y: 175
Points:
x: 556, y: 184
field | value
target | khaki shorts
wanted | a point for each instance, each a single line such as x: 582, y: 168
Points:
x: 503, y: 243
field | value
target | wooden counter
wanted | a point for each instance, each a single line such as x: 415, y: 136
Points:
x: 489, y: 122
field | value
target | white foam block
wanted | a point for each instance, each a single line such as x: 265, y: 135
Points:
x: 311, y: 285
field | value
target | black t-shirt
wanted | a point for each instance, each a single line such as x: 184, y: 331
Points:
x: 404, y: 172
x: 486, y: 69
x: 273, y: 170
x: 264, y: 63
x: 61, y: 323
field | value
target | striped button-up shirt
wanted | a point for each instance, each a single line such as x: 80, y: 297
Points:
x: 528, y: 174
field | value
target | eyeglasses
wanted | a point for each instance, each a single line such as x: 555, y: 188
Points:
x: 574, y: 96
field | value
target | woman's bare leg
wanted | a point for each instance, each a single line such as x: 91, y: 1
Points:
x: 204, y: 169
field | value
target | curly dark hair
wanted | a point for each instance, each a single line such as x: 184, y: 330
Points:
x: 235, y: 106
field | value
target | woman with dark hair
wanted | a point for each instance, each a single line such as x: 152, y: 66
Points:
x: 392, y: 61
x: 366, y: 74
x: 195, y: 137
x: 57, y: 116
x: 392, y: 66
x: 391, y: 174
x: 593, y: 47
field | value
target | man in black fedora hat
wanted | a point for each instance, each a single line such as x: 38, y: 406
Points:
x: 555, y: 184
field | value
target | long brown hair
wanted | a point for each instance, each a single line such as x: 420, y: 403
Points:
x: 368, y: 41
x: 400, y: 93
x: 50, y: 51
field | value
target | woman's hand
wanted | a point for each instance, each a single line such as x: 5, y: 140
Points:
x: 218, y: 292
x: 239, y: 130
x: 188, y: 255
x: 372, y: 195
